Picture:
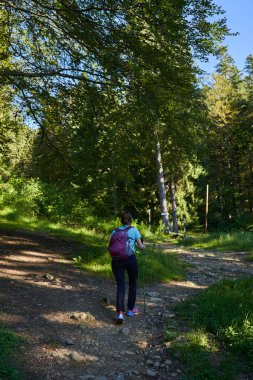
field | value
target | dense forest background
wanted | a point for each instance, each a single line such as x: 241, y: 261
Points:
x: 102, y: 109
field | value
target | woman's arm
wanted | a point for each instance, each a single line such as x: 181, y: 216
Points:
x: 140, y: 244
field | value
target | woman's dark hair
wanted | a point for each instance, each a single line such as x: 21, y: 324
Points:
x: 126, y: 218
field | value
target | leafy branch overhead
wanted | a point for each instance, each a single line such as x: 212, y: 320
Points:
x: 106, y: 42
x: 105, y: 83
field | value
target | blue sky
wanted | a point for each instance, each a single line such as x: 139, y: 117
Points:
x: 239, y: 14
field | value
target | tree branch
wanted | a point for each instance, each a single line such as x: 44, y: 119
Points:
x: 53, y: 73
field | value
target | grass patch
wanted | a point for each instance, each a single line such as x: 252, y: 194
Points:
x: 193, y: 350
x: 94, y: 257
x: 158, y: 266
x: 8, y: 344
x: 220, y: 344
x: 232, y: 241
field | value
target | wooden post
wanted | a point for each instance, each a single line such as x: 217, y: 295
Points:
x: 207, y: 199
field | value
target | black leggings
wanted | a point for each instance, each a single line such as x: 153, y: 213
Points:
x: 119, y: 267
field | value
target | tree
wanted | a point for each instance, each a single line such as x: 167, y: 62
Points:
x: 135, y: 58
x: 228, y: 148
x: 15, y: 138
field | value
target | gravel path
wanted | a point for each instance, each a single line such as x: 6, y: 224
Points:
x: 67, y: 316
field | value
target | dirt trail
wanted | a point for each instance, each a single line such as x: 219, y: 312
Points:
x: 67, y: 316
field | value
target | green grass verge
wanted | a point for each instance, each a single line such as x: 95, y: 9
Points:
x: 8, y: 345
x: 94, y: 257
x: 156, y: 266
x: 220, y: 343
x: 232, y: 241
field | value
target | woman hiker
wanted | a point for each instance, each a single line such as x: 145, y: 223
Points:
x: 122, y: 250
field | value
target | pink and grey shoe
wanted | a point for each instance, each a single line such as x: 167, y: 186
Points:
x: 132, y: 312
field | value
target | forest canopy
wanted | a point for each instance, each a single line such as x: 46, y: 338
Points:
x: 101, y: 110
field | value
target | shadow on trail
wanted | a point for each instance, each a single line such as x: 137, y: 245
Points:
x: 70, y: 332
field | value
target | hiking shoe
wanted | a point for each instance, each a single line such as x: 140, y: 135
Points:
x: 120, y: 318
x: 133, y: 312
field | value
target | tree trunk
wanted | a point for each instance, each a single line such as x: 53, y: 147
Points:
x: 162, y: 189
x: 174, y: 207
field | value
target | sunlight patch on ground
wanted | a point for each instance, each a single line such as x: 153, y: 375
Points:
x: 16, y: 241
x: 13, y: 273
x: 142, y: 344
x: 23, y: 258
x: 62, y: 261
x: 71, y: 355
x: 36, y: 253
x: 81, y: 318
x: 187, y: 284
x: 10, y: 318
x: 46, y: 284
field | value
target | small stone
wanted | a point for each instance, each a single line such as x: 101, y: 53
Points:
x: 149, y: 362
x: 125, y: 331
x: 168, y: 362
x: 120, y: 376
x: 153, y: 294
x: 69, y: 342
x: 48, y: 276
x: 74, y: 316
x: 155, y: 299
x: 151, y: 373
x: 76, y: 357
x: 107, y: 300
x: 82, y: 317
x: 157, y: 364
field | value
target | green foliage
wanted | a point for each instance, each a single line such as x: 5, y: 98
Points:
x: 227, y: 147
x: 22, y: 195
x: 170, y: 332
x: 15, y: 138
x: 194, y: 349
x: 223, y: 312
x: 8, y: 344
x: 104, y: 96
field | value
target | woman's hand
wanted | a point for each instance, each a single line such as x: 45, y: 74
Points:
x: 140, y: 244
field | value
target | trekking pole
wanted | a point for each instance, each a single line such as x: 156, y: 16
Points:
x: 143, y: 280
x: 143, y: 283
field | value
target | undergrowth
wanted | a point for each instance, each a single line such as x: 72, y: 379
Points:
x: 8, y: 344
x: 231, y: 241
x: 220, y: 342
